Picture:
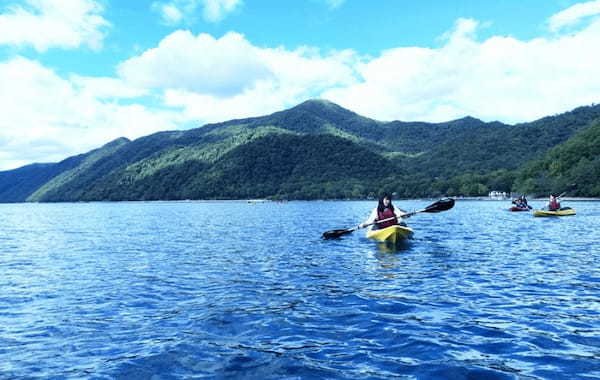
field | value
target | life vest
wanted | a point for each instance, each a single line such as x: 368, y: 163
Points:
x: 554, y: 205
x: 386, y: 214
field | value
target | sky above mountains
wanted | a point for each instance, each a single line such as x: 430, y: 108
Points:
x: 75, y: 74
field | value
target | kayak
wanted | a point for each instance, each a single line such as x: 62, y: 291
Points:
x: 515, y: 208
x: 391, y: 234
x: 562, y: 212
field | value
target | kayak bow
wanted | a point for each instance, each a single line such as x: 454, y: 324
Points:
x: 391, y: 234
x: 515, y: 208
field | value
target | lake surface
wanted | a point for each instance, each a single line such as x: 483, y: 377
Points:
x: 240, y: 290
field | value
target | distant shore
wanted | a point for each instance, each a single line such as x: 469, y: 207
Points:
x: 257, y: 201
x: 529, y: 199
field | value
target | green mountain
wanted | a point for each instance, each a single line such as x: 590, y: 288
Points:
x: 314, y: 150
x: 576, y: 162
x: 19, y: 184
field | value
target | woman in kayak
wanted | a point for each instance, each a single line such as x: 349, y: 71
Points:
x: 384, y: 210
x: 554, y: 204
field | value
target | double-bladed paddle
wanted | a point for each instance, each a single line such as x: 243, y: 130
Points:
x: 439, y: 206
x: 571, y: 187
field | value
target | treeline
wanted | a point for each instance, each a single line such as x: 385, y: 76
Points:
x: 319, y: 150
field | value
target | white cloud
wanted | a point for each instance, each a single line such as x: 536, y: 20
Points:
x: 170, y: 13
x: 222, y: 66
x: 501, y: 78
x: 44, y: 24
x: 216, y: 79
x: 200, y: 78
x: 174, y: 12
x: 573, y: 15
x: 105, y: 88
x: 215, y: 10
x: 46, y: 117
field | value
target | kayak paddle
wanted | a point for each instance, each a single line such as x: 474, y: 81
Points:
x: 337, y: 233
x: 439, y: 206
x: 571, y: 187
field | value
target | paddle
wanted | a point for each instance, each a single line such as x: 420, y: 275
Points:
x: 561, y: 195
x: 569, y: 188
x: 439, y: 206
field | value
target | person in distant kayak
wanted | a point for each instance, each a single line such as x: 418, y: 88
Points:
x: 384, y: 210
x: 554, y: 204
x: 521, y: 202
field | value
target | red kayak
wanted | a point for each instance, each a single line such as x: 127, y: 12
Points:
x: 515, y: 208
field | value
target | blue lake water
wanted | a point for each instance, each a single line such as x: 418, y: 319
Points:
x: 239, y: 290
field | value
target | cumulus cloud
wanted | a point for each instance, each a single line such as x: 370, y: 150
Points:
x: 222, y: 66
x: 213, y: 79
x: 174, y: 12
x: 201, y: 78
x: 105, y: 87
x: 44, y: 24
x: 501, y: 78
x: 574, y: 15
x: 46, y: 117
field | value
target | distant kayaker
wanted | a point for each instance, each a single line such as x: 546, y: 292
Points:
x: 384, y: 210
x: 554, y: 204
x: 521, y: 202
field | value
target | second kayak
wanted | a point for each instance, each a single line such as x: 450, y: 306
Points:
x: 391, y: 234
x: 515, y: 208
x: 562, y: 212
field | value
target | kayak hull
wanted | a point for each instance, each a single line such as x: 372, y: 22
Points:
x: 562, y: 212
x: 392, y: 234
x: 514, y: 208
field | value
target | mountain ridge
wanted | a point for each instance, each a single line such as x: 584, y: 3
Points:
x: 433, y: 158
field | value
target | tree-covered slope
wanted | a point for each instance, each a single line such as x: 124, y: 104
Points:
x: 20, y: 184
x: 481, y: 148
x: 276, y: 164
x: 574, y: 165
x: 314, y: 150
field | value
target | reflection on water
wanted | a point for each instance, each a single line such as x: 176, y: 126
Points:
x: 398, y: 247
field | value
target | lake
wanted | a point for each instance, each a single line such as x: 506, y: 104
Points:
x: 180, y: 290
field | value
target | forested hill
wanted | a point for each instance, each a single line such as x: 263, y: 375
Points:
x: 318, y: 150
x: 576, y: 162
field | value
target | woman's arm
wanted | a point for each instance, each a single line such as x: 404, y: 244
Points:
x: 399, y: 212
x: 372, y: 217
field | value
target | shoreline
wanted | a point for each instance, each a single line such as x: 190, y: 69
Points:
x: 258, y: 201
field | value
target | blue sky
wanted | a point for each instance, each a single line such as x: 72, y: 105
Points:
x: 75, y: 74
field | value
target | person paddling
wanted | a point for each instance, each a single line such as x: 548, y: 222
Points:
x: 384, y: 210
x: 554, y: 204
x: 524, y: 201
x: 521, y: 202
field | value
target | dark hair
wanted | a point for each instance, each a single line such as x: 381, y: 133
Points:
x: 381, y: 207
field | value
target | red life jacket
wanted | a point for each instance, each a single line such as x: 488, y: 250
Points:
x: 386, y: 214
x: 554, y: 205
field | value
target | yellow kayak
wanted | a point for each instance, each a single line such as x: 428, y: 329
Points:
x: 391, y: 234
x: 562, y: 212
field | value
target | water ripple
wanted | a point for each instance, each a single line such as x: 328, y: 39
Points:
x: 236, y: 290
